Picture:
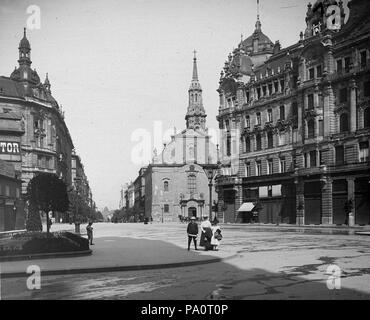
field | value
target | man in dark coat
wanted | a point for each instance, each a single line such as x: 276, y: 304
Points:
x: 192, y: 232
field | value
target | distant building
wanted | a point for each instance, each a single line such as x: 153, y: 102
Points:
x: 300, y: 117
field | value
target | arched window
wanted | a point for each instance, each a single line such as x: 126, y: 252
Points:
x: 247, y: 144
x: 165, y: 186
x: 196, y: 97
x: 311, y: 129
x: 258, y: 142
x: 367, y: 117
x: 343, y: 122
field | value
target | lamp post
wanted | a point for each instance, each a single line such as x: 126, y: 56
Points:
x: 162, y: 212
x: 210, y: 170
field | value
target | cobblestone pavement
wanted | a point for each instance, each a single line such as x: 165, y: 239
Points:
x: 270, y: 264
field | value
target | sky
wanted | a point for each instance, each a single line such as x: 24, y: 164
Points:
x: 121, y: 69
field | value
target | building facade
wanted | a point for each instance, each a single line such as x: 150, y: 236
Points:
x: 295, y: 122
x: 41, y: 141
x: 174, y: 184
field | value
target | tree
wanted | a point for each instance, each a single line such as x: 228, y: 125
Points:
x: 46, y: 192
x: 33, y: 221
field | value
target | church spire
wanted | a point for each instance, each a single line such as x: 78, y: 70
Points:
x: 195, y: 69
x: 195, y: 116
x: 24, y: 50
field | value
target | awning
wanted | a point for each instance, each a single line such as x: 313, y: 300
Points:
x: 246, y: 207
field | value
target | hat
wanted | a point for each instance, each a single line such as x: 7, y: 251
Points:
x: 192, y: 218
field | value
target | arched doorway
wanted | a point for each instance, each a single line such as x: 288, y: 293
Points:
x: 192, y: 212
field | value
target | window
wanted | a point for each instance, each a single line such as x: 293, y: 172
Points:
x: 367, y: 117
x: 269, y: 115
x: 248, y: 169
x: 339, y: 65
x: 364, y: 151
x: 305, y: 160
x: 258, y: 142
x: 347, y: 62
x: 270, y: 88
x: 321, y: 128
x: 339, y: 155
x: 367, y: 89
x: 311, y: 129
x: 343, y: 122
x: 264, y: 91
x: 228, y: 145
x: 310, y: 101
x: 363, y: 59
x: 282, y: 138
x: 166, y: 208
x: 192, y: 183
x: 258, y: 93
x: 7, y: 191
x: 282, y: 112
x: 247, y: 144
x: 276, y: 86
x: 247, y: 121
x: 258, y: 168
x: 319, y: 71
x: 311, y: 73
x: 313, y: 161
x: 270, y: 166
x: 270, y: 140
x: 282, y: 165
x: 343, y: 95
x: 165, y: 186
x: 258, y: 118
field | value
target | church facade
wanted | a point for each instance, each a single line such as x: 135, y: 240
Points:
x: 175, y: 184
x: 300, y: 120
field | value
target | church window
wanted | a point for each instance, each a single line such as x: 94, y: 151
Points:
x: 165, y: 186
x: 192, y: 183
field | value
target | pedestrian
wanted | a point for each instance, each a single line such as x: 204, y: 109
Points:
x: 192, y: 231
x: 216, y: 235
x: 89, y: 230
x: 206, y: 234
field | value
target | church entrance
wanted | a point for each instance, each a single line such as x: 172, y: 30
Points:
x: 192, y: 212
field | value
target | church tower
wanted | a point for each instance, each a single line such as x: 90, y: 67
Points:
x: 196, y: 115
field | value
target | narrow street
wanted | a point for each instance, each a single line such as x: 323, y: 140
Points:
x: 269, y: 263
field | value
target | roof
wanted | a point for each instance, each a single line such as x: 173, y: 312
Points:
x: 246, y: 207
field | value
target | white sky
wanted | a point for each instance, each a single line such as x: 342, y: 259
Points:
x: 117, y: 65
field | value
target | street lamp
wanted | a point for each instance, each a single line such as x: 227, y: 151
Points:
x: 210, y: 170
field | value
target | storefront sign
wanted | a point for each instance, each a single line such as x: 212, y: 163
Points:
x: 7, y: 147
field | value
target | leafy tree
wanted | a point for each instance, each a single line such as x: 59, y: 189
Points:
x: 47, y: 192
x: 33, y: 221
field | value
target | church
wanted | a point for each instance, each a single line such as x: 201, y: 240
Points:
x: 175, y: 183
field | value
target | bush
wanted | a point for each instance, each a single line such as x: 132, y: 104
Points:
x: 39, y: 242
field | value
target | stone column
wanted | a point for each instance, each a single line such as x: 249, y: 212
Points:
x: 279, y: 86
x: 316, y: 127
x: 353, y: 107
x: 327, y: 202
x: 273, y: 88
x: 327, y: 110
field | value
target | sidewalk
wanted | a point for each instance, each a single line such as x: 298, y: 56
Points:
x: 119, y: 254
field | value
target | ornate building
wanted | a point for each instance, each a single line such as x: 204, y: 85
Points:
x: 174, y: 183
x: 300, y: 120
x: 46, y: 145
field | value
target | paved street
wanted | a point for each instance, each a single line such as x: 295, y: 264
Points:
x: 269, y: 264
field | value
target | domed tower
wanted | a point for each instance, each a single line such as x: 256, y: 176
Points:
x: 196, y: 115
x: 258, y: 46
x: 24, y: 73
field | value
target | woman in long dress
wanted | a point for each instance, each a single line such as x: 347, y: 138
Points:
x: 215, y: 231
x: 206, y: 234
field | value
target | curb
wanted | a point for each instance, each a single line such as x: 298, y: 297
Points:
x: 119, y: 268
x: 45, y: 255
x: 363, y: 233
